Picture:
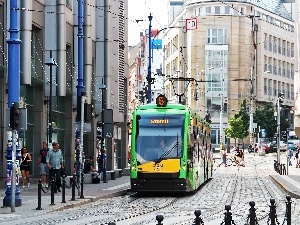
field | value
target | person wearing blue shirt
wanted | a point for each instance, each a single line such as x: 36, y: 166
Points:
x: 102, y: 164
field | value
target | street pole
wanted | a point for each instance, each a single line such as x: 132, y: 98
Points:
x: 278, y: 130
x: 197, y: 91
x: 50, y: 105
x: 149, y: 79
x: 102, y: 87
x: 13, y: 75
x: 80, y: 88
x: 83, y: 94
x: 251, y: 113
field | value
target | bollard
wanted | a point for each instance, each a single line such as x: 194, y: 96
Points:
x: 39, y: 195
x: 272, y: 214
x: 252, y: 214
x: 73, y: 186
x: 288, y: 204
x: 81, y: 185
x: 283, y: 169
x: 198, y: 219
x: 63, y: 192
x: 52, y: 191
x: 159, y: 219
x: 228, y: 215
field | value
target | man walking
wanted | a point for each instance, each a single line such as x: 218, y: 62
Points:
x: 102, y: 164
x: 44, y: 170
x: 55, y: 163
x: 290, y: 153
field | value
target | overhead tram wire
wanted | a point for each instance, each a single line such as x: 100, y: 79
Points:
x: 115, y: 14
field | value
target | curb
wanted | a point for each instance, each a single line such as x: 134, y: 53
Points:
x: 283, y: 184
x: 88, y: 200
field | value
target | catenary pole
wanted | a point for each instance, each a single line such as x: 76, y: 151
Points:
x: 149, y: 79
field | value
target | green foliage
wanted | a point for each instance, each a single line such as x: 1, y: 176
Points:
x: 244, y: 116
x: 264, y: 117
x: 235, y: 129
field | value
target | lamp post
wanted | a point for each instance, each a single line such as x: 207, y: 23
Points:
x: 102, y: 87
x: 50, y: 62
x: 279, y: 101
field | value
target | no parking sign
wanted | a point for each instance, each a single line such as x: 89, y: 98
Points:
x: 191, y: 24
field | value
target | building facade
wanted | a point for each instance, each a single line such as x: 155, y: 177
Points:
x: 49, y: 29
x: 235, y: 44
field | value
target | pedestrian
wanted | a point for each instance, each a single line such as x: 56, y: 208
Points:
x: 102, y: 164
x: 223, y: 157
x: 290, y: 155
x: 25, y: 166
x: 44, y: 170
x: 55, y: 163
x: 242, y: 158
x: 89, y: 169
x: 297, y: 158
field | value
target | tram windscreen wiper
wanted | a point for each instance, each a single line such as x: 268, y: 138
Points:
x: 163, y: 156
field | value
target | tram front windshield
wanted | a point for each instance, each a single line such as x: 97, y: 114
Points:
x: 159, y: 137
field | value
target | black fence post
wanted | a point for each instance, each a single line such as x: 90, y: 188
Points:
x: 53, y: 186
x: 63, y: 193
x: 272, y: 214
x: 228, y: 215
x: 39, y: 195
x: 198, y: 219
x: 73, y: 186
x: 159, y: 219
x: 252, y: 214
x: 288, y: 204
x: 81, y: 189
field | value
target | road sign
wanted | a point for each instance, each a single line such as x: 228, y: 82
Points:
x: 263, y: 133
x: 191, y: 24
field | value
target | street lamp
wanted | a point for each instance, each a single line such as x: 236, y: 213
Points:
x: 102, y: 87
x: 50, y: 62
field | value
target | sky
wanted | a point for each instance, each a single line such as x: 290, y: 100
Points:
x: 140, y: 10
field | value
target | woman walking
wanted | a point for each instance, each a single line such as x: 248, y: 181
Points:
x: 24, y: 166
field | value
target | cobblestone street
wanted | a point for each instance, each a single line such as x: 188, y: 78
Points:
x: 230, y: 185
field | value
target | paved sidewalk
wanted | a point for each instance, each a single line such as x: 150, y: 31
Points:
x: 290, y: 182
x: 92, y: 192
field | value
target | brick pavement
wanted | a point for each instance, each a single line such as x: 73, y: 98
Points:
x: 92, y: 192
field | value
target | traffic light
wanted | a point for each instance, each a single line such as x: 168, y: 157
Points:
x: 275, y: 137
x: 14, y: 117
x: 280, y: 98
x: 283, y: 136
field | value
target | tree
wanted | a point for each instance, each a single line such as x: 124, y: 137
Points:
x: 235, y: 129
x: 264, y: 117
x: 243, y: 114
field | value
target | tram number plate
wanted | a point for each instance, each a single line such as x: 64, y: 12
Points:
x: 158, y: 166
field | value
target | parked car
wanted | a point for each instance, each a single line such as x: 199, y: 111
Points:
x: 273, y: 146
x: 291, y: 145
x: 282, y: 146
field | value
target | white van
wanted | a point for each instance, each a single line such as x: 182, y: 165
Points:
x: 293, y: 138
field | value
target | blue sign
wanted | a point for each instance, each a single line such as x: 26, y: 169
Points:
x: 157, y: 44
x: 263, y: 133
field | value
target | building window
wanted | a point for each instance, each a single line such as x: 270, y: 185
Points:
x: 227, y: 10
x: 217, y: 36
x: 217, y: 10
x: 208, y: 10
